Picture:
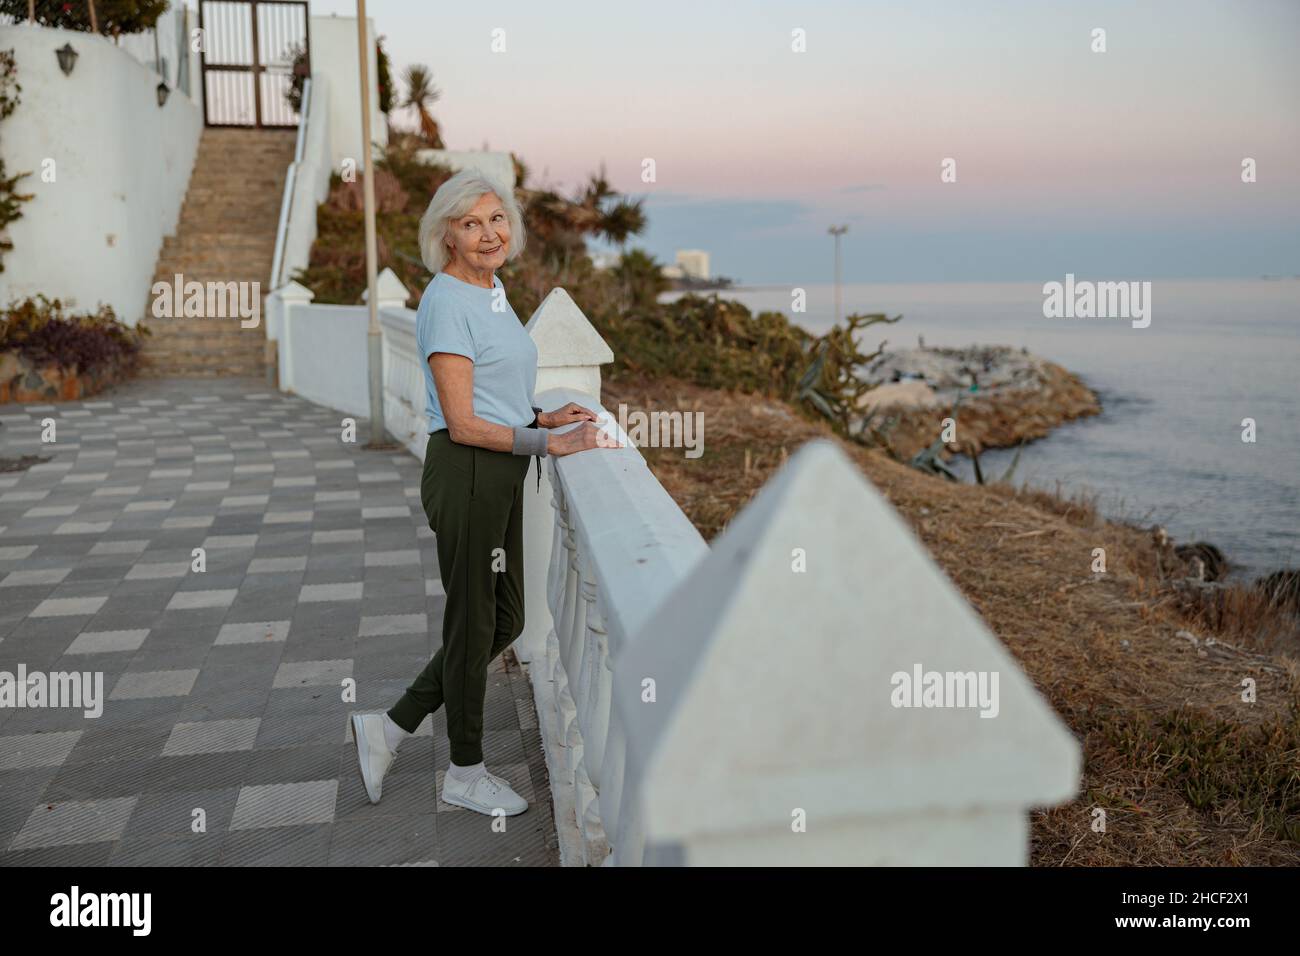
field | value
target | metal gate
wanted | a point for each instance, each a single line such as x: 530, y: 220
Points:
x: 248, y: 53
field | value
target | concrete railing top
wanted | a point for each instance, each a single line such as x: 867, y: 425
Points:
x: 637, y: 541
x: 815, y: 623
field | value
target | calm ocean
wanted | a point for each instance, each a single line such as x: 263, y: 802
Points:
x: 1168, y: 446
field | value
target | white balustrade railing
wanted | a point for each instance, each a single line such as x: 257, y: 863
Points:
x: 769, y: 699
x: 404, y: 392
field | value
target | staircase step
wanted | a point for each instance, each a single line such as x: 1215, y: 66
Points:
x: 225, y: 233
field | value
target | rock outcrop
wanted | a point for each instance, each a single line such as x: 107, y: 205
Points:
x: 998, y: 395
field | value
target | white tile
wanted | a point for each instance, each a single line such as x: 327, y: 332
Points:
x: 153, y: 572
x: 341, y: 591
x: 276, y: 565
x: 394, y: 624
x: 18, y: 579
x: 107, y: 642
x: 9, y: 496
x: 157, y: 505
x: 59, y: 511
x: 244, y: 501
x: 342, y: 536
x: 85, y: 479
x: 138, y: 685
x: 68, y: 606
x: 286, y: 517
x: 197, y: 522
x: 385, y: 511
x: 83, y: 527
x: 72, y: 822
x: 16, y: 552
x: 28, y: 751
x: 311, y: 674
x: 193, y: 600
x: 116, y: 491
x: 230, y: 541
x: 120, y: 547
x: 392, y: 559
x: 324, y: 496
x: 256, y: 632
x: 285, y: 804
x: 212, y: 736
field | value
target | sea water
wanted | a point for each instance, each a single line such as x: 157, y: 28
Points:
x: 1167, y: 448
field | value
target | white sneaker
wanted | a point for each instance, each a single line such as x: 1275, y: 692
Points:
x: 486, y: 793
x: 373, y: 755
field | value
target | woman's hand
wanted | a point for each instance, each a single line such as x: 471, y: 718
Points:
x: 581, y: 438
x: 570, y: 413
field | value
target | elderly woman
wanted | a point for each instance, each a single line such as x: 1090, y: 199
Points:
x: 480, y: 372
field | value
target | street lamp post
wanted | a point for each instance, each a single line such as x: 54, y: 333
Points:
x: 837, y: 231
x: 374, y: 344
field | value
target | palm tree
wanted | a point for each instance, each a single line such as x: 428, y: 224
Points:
x: 421, y: 93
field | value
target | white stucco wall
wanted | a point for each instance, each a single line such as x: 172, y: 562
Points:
x: 121, y: 168
x: 334, y: 55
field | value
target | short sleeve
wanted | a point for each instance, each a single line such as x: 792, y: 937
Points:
x: 445, y: 328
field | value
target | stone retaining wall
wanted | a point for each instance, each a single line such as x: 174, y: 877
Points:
x: 22, y: 381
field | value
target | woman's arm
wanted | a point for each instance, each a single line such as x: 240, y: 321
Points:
x: 453, y: 375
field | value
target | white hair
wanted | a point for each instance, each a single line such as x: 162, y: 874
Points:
x: 455, y: 198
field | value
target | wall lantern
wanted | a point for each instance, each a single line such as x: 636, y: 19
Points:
x: 67, y: 58
x: 162, y: 93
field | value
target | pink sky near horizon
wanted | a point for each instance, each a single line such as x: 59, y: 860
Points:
x: 1043, y: 129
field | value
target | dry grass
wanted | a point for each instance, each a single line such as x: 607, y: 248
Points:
x: 1187, y: 772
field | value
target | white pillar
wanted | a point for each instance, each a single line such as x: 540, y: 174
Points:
x: 390, y: 292
x: 283, y: 303
x: 784, y: 728
x: 569, y: 354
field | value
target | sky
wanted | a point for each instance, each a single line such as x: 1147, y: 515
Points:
x: 1123, y: 164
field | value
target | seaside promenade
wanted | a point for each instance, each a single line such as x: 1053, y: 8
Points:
x: 223, y: 737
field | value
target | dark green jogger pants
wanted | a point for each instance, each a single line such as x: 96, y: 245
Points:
x: 473, y: 499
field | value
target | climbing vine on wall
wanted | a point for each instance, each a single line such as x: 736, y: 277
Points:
x: 10, y: 199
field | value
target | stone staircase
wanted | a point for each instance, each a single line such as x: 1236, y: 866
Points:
x: 226, y: 233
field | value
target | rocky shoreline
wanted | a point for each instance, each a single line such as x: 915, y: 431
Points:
x: 1001, y: 397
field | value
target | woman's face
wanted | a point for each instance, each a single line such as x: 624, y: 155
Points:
x: 481, y: 238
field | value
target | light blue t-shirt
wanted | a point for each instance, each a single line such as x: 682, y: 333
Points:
x: 456, y: 316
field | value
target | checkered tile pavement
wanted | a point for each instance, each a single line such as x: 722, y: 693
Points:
x: 224, y: 736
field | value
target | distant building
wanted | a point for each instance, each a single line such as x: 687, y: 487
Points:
x: 671, y: 272
x: 604, y: 260
x: 694, y: 263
